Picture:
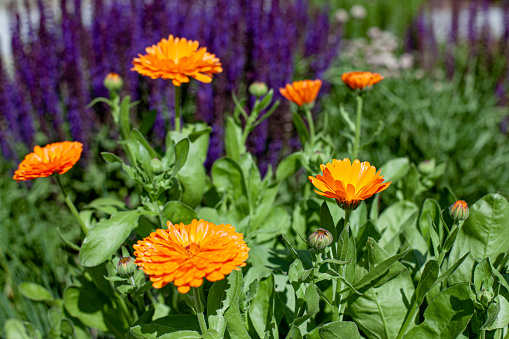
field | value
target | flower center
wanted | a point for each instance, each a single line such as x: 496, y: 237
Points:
x: 192, y: 249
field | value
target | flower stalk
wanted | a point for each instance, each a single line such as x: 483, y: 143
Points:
x: 311, y: 124
x: 70, y: 204
x: 198, y: 307
x: 177, y: 109
x: 356, y: 145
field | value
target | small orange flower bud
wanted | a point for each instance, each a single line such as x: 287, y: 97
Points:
x: 126, y: 267
x: 320, y: 239
x: 459, y: 210
x: 302, y: 92
x: 258, y: 89
x: 361, y: 80
x: 113, y: 82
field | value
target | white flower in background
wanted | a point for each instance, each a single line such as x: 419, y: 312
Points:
x: 406, y: 61
x: 358, y: 12
x: 341, y: 16
x: 374, y: 33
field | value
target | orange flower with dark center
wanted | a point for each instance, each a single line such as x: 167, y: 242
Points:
x: 185, y: 254
x: 177, y: 59
x: 53, y: 158
x: 301, y: 92
x: 361, y: 80
x: 349, y: 183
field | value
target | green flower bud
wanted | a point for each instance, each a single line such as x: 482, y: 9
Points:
x: 427, y: 166
x: 126, y: 267
x: 320, y: 239
x: 113, y: 82
x: 157, y: 166
x: 258, y: 89
x: 459, y: 210
x: 484, y: 297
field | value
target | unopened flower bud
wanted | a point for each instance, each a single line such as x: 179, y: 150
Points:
x: 126, y: 267
x: 258, y: 89
x: 459, y: 210
x: 427, y: 166
x: 320, y: 239
x: 484, y: 297
x: 157, y: 166
x: 113, y: 82
x: 348, y: 205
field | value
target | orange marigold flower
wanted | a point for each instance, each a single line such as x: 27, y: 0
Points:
x: 349, y: 183
x: 177, y: 59
x: 53, y: 158
x: 185, y: 254
x: 301, y: 92
x: 361, y: 80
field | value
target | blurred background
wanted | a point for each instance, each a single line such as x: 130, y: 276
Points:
x: 443, y: 103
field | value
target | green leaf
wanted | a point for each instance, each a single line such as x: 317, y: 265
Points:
x: 35, y: 292
x: 294, y: 333
x: 430, y: 212
x: 382, y: 308
x: 110, y: 157
x: 106, y: 237
x: 312, y: 300
x: 428, y: 278
x: 87, y: 305
x: 181, y: 152
x: 395, y: 169
x: 398, y: 218
x: 17, y: 329
x: 148, y: 121
x: 484, y: 234
x: 260, y: 309
x: 502, y: 319
x: 178, y: 212
x: 183, y: 335
x: 234, y: 320
x: 288, y: 167
x: 221, y: 296
x: 301, y: 128
x: 138, y: 137
x: 326, y: 220
x: 233, y: 139
x: 106, y: 205
x: 447, y: 315
x: 156, y: 331
x: 339, y: 330
x: 379, y: 269
x: 227, y: 177
x: 483, y: 275
x: 125, y: 124
x: 193, y: 179
x: 452, y: 269
x: 292, y: 250
x: 193, y: 136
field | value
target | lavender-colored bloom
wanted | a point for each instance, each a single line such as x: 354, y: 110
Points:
x: 60, y: 64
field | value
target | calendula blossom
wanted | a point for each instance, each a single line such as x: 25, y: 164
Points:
x: 348, y: 183
x: 177, y: 59
x: 361, y: 80
x: 185, y: 254
x: 44, y: 161
x: 301, y: 92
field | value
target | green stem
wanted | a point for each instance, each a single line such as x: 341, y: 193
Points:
x: 338, y: 295
x: 177, y: 109
x: 357, y: 127
x: 199, y: 310
x: 408, y: 320
x: 444, y: 252
x: 70, y: 204
x: 155, y: 204
x: 311, y: 125
x: 482, y: 334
